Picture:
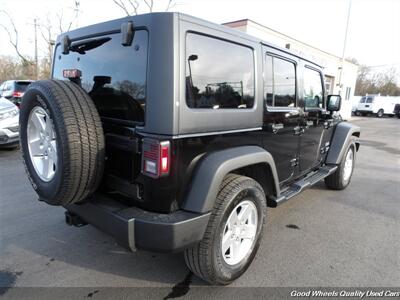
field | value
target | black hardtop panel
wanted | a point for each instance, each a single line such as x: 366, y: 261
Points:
x: 114, y: 26
x: 167, y: 112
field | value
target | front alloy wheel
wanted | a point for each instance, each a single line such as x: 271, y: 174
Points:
x: 341, y: 178
x: 348, y: 166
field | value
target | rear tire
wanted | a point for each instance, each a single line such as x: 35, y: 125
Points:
x: 60, y: 115
x: 380, y: 113
x: 213, y: 259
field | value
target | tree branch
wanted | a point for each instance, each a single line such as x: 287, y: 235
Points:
x: 122, y: 6
x: 60, y: 17
x: 170, y: 5
x: 14, y: 43
x: 149, y: 4
x: 135, y: 5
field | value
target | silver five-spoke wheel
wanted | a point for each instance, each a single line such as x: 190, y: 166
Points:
x: 42, y: 143
x: 348, y: 165
x: 239, y: 232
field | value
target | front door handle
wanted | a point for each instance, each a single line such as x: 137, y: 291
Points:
x: 276, y: 127
x: 298, y: 130
x: 328, y: 124
x: 309, y: 123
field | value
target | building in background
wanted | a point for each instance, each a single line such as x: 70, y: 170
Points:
x: 337, y: 80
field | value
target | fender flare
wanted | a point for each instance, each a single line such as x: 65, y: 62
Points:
x: 212, y: 169
x: 344, y: 134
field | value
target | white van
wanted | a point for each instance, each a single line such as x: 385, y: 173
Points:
x: 377, y: 105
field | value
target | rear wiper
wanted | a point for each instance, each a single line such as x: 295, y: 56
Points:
x: 83, y: 46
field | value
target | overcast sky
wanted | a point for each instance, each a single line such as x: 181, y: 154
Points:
x: 373, y: 38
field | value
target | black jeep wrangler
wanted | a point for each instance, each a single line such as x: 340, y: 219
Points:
x: 171, y: 133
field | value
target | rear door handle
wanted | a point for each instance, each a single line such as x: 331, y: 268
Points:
x: 276, y: 127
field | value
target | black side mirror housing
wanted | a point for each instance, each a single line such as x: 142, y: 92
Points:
x: 334, y: 103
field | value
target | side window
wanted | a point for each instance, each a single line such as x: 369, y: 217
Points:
x: 369, y: 100
x: 280, y: 82
x: 313, y: 91
x: 219, y: 74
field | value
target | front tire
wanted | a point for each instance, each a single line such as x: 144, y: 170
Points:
x: 342, y: 176
x: 233, y: 234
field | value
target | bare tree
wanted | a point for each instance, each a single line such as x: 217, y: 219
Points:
x: 13, y: 36
x: 171, y: 4
x: 384, y: 82
x: 150, y: 4
x: 131, y: 7
x: 49, y: 33
x: 133, y: 4
x: 61, y: 18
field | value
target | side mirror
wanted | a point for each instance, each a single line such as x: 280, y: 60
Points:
x: 334, y: 102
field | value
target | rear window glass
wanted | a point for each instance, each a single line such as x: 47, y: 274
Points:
x: 362, y: 99
x: 21, y: 86
x: 219, y: 74
x: 113, y: 75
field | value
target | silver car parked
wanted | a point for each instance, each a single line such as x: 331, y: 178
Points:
x: 9, y: 124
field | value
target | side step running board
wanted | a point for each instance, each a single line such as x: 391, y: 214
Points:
x: 304, y: 183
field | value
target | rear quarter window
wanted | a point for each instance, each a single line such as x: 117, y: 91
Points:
x: 219, y: 74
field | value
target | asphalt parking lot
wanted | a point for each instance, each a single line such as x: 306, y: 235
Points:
x: 320, y: 238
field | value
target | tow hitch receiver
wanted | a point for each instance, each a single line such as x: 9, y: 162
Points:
x: 74, y: 220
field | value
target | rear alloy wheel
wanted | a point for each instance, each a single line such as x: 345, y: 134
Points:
x: 233, y: 234
x: 380, y: 113
x: 239, y: 232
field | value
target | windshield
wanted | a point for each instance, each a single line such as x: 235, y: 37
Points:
x: 113, y: 75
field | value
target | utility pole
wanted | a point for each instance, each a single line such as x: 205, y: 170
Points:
x: 344, y: 48
x: 36, y: 50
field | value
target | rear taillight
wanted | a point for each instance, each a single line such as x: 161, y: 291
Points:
x: 17, y: 94
x: 156, y: 158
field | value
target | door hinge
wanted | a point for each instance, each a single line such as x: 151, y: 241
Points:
x: 294, y: 162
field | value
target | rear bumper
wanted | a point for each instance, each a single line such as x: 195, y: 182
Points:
x: 135, y: 228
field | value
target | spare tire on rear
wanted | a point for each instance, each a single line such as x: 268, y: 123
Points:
x: 62, y: 141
